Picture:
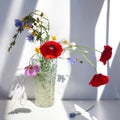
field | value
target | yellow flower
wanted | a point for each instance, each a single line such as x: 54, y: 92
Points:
x: 54, y: 37
x: 33, y: 33
x: 23, y: 19
x: 37, y: 50
x: 27, y: 26
x: 65, y: 42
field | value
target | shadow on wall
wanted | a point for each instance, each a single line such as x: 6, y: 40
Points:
x: 84, y: 15
x: 112, y: 89
x: 4, y: 8
x: 21, y: 88
x: 11, y: 60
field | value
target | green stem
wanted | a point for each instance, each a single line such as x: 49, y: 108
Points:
x: 88, y: 60
x: 13, y: 42
x: 32, y: 58
x: 86, y: 110
x: 65, y: 49
x: 93, y: 49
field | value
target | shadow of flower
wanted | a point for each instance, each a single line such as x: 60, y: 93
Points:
x: 20, y: 110
x: 61, y: 78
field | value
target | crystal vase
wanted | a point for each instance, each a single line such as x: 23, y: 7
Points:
x: 45, y: 85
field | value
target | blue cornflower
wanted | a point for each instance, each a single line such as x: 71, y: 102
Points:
x: 72, y: 115
x: 71, y: 60
x: 18, y: 23
x: 30, y: 37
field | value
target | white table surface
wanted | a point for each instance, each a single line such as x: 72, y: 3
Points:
x: 27, y: 110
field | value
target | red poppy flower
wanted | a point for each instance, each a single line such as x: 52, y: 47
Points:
x: 106, y: 54
x: 98, y: 80
x: 51, y: 49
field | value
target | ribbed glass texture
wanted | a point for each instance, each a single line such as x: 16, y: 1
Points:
x: 44, y: 86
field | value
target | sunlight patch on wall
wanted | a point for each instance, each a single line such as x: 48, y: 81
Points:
x: 58, y: 13
x: 113, y: 38
x: 100, y: 41
x: 114, y: 27
x: 100, y: 91
x: 28, y: 51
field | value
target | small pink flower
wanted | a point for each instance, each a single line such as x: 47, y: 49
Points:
x: 31, y: 70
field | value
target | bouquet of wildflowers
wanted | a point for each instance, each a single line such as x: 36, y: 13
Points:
x: 49, y: 48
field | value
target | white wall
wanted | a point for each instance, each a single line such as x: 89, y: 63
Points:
x: 82, y: 21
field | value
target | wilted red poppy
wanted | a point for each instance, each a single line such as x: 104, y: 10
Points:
x: 106, y: 54
x: 99, y: 79
x: 51, y: 49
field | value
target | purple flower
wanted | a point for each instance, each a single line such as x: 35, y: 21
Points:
x: 31, y: 70
x: 18, y: 23
x: 71, y: 60
x: 30, y: 37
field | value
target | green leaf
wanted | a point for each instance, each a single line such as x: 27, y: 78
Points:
x: 29, y: 18
x: 15, y: 36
